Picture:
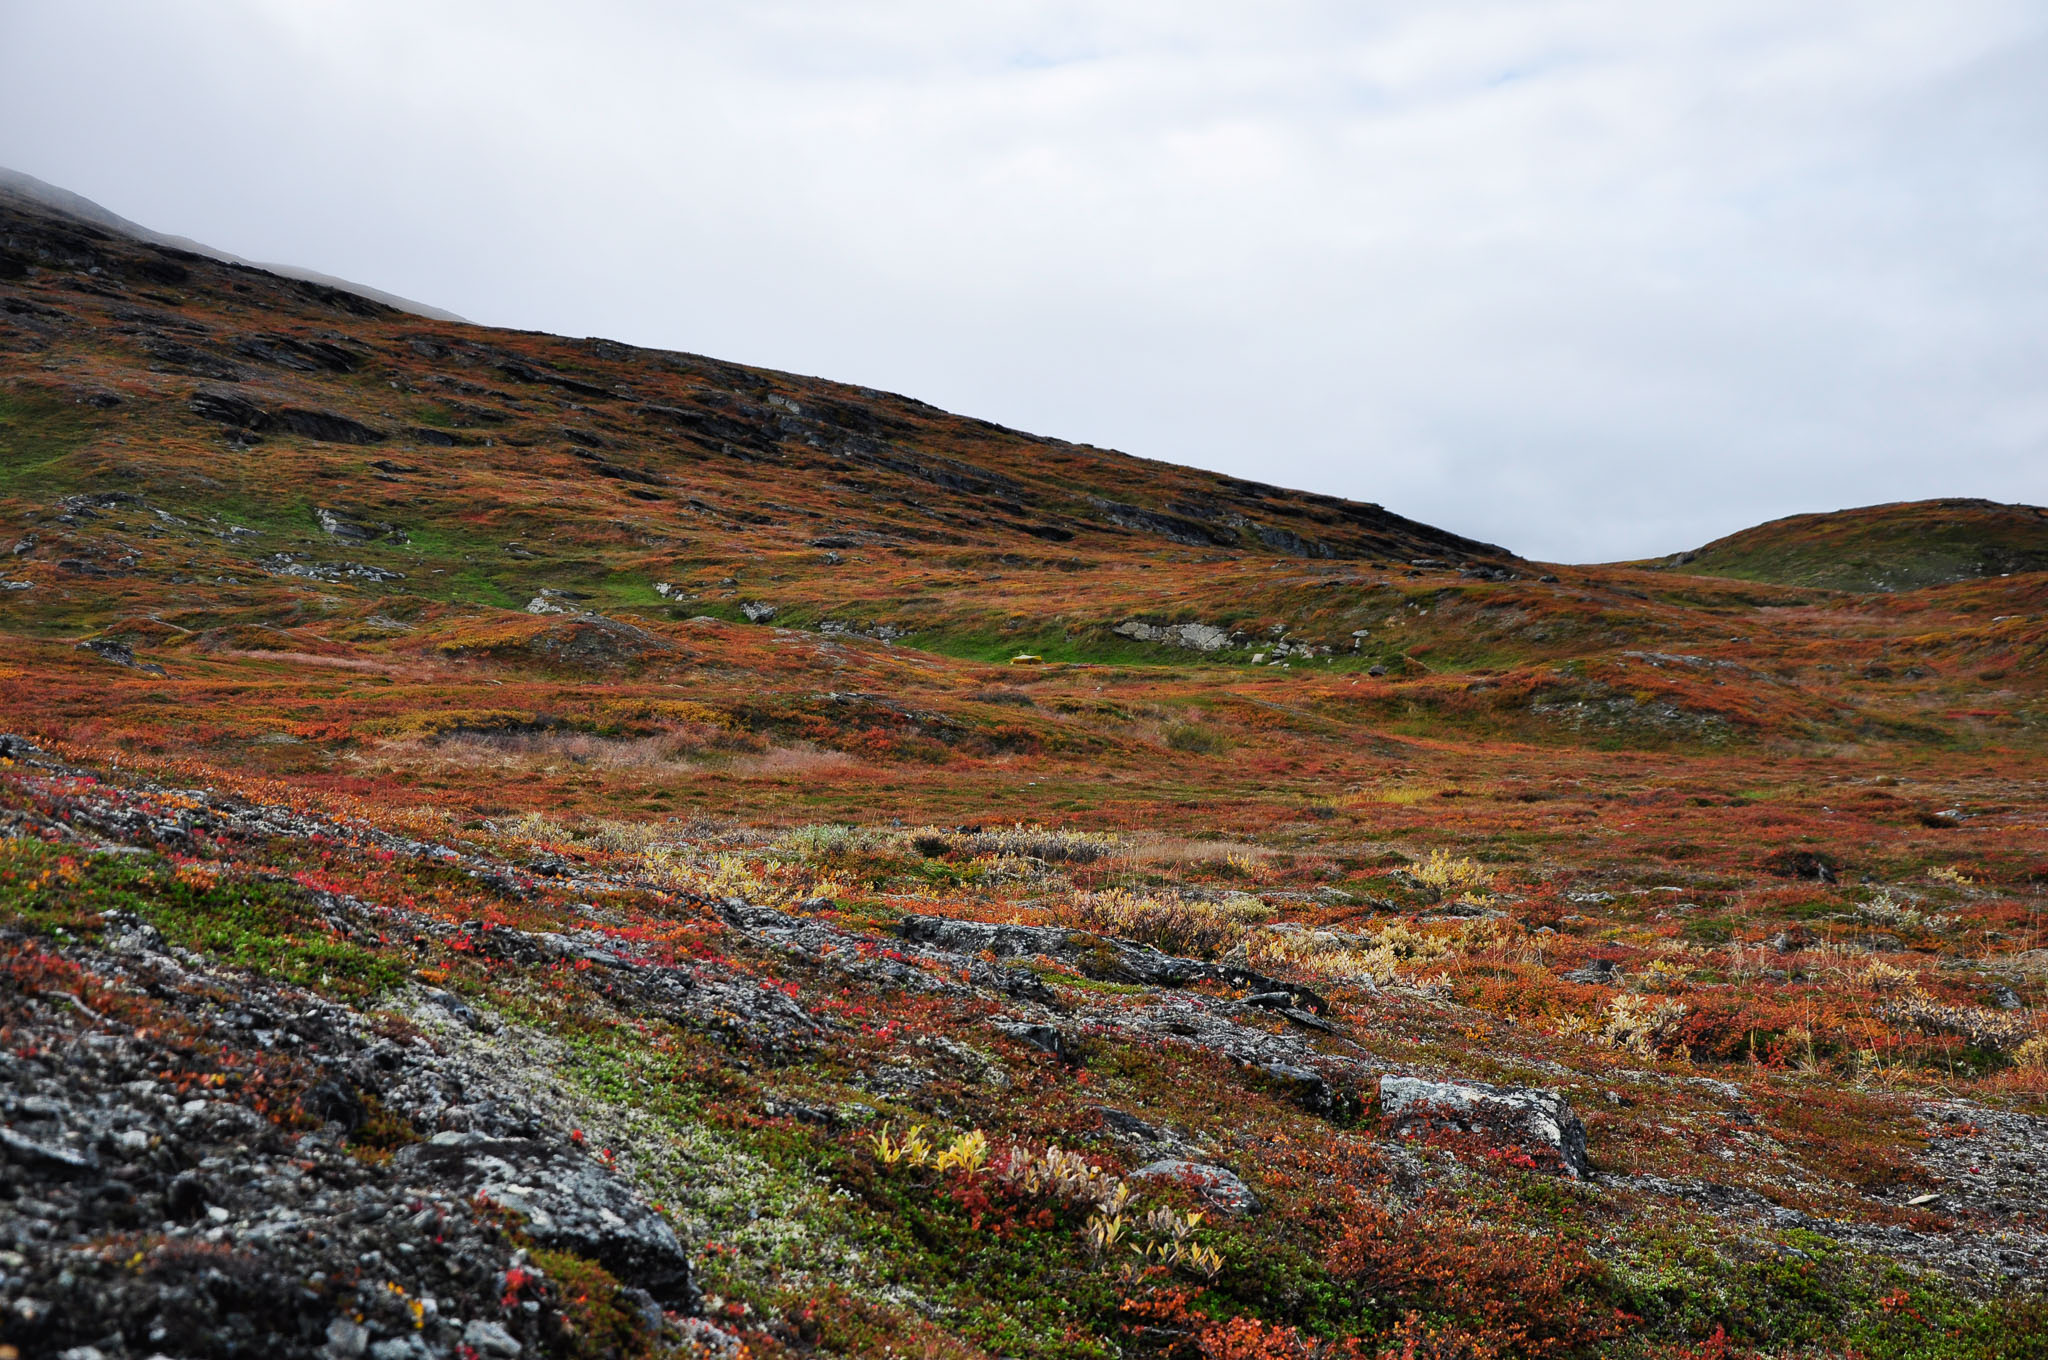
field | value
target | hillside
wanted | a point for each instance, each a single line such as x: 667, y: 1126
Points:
x: 519, y: 846
x: 1901, y: 546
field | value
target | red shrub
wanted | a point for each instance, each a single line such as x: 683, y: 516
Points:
x: 1505, y: 1292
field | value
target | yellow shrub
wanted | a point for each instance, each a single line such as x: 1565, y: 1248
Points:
x: 1448, y: 873
x: 1173, y: 922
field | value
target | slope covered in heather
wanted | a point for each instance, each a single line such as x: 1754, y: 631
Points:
x: 518, y: 846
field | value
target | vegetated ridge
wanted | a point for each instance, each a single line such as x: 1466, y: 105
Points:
x: 1901, y: 546
x: 517, y: 846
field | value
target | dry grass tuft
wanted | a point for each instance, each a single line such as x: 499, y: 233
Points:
x: 1178, y: 923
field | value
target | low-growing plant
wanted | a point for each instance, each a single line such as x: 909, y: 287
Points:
x: 1376, y: 958
x: 1642, y: 1025
x: 1989, y: 1030
x: 1178, y: 923
x: 1447, y: 874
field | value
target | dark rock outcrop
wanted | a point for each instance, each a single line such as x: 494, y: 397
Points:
x: 565, y: 1202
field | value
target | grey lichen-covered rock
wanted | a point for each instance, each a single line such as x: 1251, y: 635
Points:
x: 1199, y: 637
x: 1044, y: 1038
x: 1538, y: 1120
x: 489, y: 1339
x: 120, y: 653
x: 567, y: 1202
x: 1096, y: 956
x: 1217, y: 1185
x: 1311, y: 1090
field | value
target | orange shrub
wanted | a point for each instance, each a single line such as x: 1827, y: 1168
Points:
x: 1501, y: 1291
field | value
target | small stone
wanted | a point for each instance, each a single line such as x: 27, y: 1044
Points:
x: 488, y: 1338
x: 1791, y: 940
x: 346, y: 1339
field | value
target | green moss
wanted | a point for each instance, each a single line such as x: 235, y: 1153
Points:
x: 266, y: 926
x: 37, y: 433
x: 1804, y: 1290
x: 601, y: 1323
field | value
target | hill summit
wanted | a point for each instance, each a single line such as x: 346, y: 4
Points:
x: 1899, y: 546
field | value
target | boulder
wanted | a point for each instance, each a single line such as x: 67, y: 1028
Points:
x: 591, y: 642
x: 120, y: 653
x: 1044, y: 1038
x: 1214, y: 1184
x: 567, y: 1203
x: 1200, y: 637
x: 1538, y: 1120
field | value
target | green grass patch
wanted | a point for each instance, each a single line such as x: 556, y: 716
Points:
x: 37, y: 433
x: 266, y: 926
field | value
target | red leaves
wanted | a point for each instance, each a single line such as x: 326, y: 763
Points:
x: 1509, y: 1292
x: 1167, y: 1314
x: 1244, y: 1338
x: 516, y: 1279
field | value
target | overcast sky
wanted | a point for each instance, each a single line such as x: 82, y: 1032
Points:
x: 1592, y: 279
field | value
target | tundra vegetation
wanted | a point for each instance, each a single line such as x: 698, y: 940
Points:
x: 527, y: 846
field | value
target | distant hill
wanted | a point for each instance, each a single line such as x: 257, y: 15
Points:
x: 1901, y: 546
x: 207, y: 466
x: 32, y: 190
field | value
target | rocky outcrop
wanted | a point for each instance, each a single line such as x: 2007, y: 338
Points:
x: 243, y: 415
x: 1538, y: 1121
x: 1099, y: 956
x: 565, y: 1202
x: 1219, y: 1187
x: 240, y: 1137
x: 351, y: 527
x: 328, y: 427
x: 1198, y: 637
x: 120, y: 653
